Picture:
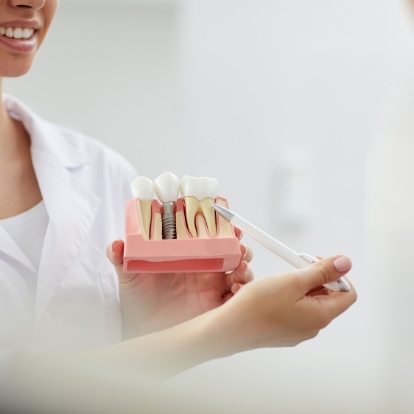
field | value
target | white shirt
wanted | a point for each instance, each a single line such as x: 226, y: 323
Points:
x: 28, y: 230
x: 84, y: 186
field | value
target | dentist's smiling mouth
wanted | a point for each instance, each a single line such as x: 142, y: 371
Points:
x: 19, y: 37
x: 24, y: 33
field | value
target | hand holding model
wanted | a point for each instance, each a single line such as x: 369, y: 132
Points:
x: 194, y: 317
x: 151, y: 302
x: 278, y: 311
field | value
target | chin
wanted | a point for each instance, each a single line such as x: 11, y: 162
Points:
x: 14, y: 66
x: 15, y: 71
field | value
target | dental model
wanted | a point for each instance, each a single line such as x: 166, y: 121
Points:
x: 143, y: 190
x: 178, y: 234
x: 167, y: 187
x: 199, y: 195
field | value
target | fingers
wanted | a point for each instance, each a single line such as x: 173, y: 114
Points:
x: 238, y: 233
x: 235, y: 288
x: 240, y: 276
x: 322, y: 272
x: 115, y: 253
x: 335, y: 303
x: 247, y: 253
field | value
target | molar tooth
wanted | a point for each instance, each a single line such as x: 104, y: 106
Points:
x: 199, y: 194
x: 225, y: 229
x: 2, y: 31
x: 192, y: 207
x: 182, y: 229
x: 9, y: 32
x: 143, y: 190
x: 209, y: 215
x: 201, y: 227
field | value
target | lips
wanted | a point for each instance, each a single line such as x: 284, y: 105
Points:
x: 19, y: 36
x: 19, y: 45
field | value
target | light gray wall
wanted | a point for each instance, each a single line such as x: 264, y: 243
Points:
x: 111, y: 72
x: 265, y: 76
x: 233, y: 88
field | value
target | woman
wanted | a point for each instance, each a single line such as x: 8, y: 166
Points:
x: 62, y: 200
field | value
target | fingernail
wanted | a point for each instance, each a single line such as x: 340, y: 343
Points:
x: 342, y: 264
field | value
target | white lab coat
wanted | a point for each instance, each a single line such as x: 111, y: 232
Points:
x: 85, y: 186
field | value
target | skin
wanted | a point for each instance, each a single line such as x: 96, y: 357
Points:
x: 276, y: 311
x: 176, y: 321
x: 19, y: 189
x: 154, y: 302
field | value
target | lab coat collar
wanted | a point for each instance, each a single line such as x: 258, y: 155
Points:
x: 72, y: 209
x: 70, y: 205
x: 10, y: 248
x: 43, y: 135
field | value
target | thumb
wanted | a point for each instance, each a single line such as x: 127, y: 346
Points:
x: 115, y: 252
x: 324, y: 271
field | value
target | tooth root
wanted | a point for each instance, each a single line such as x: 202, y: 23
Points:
x: 192, y: 207
x: 201, y: 227
x: 145, y: 217
x: 156, y: 227
x: 156, y: 222
x: 182, y: 232
x: 225, y: 229
x: 180, y: 222
x: 209, y: 215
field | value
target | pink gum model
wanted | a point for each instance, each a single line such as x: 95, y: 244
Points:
x: 214, y: 254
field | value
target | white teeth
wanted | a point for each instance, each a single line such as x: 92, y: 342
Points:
x: 199, y: 187
x: 27, y: 33
x: 16, y: 33
x: 199, y: 194
x: 167, y: 187
x: 143, y: 188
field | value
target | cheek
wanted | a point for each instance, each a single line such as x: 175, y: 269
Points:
x: 49, y: 11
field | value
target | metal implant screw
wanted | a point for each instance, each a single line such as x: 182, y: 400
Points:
x: 169, y: 230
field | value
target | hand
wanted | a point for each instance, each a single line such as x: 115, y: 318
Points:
x: 283, y: 310
x: 151, y: 302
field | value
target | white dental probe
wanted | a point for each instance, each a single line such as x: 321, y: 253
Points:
x: 298, y: 260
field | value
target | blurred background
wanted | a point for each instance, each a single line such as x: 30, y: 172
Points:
x: 290, y: 105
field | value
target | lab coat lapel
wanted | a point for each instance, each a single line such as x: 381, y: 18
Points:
x: 72, y: 209
x: 10, y: 248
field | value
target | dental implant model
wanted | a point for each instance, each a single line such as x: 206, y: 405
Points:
x: 143, y: 190
x: 199, y: 195
x: 178, y: 234
x: 167, y: 187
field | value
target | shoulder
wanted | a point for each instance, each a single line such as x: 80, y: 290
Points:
x: 97, y: 153
x: 98, y: 167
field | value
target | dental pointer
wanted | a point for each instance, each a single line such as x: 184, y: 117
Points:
x: 298, y: 260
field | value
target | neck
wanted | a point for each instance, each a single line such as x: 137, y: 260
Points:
x: 13, y: 142
x: 4, y: 121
